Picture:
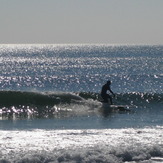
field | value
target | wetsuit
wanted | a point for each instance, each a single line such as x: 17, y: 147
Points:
x: 104, y: 94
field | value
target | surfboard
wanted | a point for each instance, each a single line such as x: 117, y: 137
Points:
x: 121, y: 107
x: 116, y: 107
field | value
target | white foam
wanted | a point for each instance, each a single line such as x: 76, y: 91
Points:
x: 109, y: 145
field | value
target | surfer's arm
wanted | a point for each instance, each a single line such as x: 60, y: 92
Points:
x: 111, y: 92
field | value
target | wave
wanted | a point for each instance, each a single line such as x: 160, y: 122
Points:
x: 9, y: 98
x: 59, y: 103
x: 78, y: 146
x: 135, y: 98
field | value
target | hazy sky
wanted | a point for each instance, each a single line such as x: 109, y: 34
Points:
x: 81, y: 21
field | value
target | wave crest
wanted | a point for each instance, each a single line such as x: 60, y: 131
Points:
x: 63, y: 104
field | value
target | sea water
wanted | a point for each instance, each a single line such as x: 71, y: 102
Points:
x: 50, y: 109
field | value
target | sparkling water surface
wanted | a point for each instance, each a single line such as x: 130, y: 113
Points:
x: 50, y: 109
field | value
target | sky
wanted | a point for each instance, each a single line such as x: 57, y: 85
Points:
x: 81, y: 22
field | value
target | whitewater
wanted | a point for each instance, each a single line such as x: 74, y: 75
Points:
x: 50, y: 109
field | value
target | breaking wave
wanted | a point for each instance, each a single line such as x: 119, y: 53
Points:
x: 54, y: 103
x: 79, y: 146
x: 133, y: 98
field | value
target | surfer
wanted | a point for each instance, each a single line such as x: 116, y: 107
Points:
x: 104, y: 95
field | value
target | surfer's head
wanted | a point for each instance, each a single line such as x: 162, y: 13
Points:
x: 108, y: 82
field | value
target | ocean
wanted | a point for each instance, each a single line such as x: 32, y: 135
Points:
x: 50, y: 109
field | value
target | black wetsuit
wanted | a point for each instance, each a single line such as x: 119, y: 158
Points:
x: 104, y: 94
